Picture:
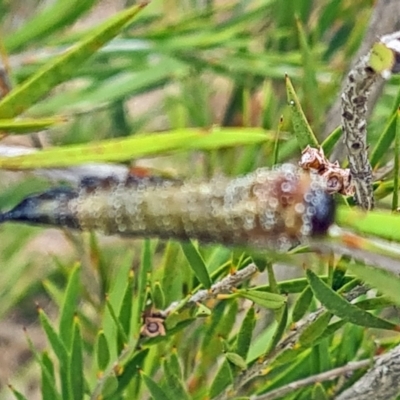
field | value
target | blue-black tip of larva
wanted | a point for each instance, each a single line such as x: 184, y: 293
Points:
x: 44, y: 208
x: 322, y: 212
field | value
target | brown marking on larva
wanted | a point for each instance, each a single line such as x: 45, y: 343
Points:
x: 264, y: 209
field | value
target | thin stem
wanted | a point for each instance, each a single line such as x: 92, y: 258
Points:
x: 323, y: 376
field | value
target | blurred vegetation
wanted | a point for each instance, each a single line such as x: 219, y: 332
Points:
x: 175, y: 66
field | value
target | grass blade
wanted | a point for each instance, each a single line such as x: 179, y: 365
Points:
x: 69, y: 306
x: 197, y: 264
x: 76, y: 368
x: 52, y: 18
x: 156, y: 391
x: 64, y: 66
x: 340, y: 307
x: 395, y: 199
x: 136, y: 147
x: 301, y: 127
x: 264, y: 299
x: 30, y: 125
x: 102, y: 352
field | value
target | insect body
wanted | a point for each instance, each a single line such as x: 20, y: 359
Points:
x: 267, y: 208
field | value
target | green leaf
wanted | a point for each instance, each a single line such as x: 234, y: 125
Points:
x: 131, y: 369
x: 340, y: 307
x: 396, y: 168
x: 110, y: 385
x: 63, y: 67
x: 49, y: 391
x: 52, y: 18
x: 174, y: 364
x: 158, y: 296
x: 385, y: 281
x: 102, y: 351
x: 319, y: 393
x: 385, y: 140
x: 197, y: 264
x: 76, y: 368
x: 69, y: 306
x: 146, y: 265
x: 173, y: 383
x: 156, y: 391
x: 309, y: 80
x: 55, y: 340
x: 202, y: 310
x: 245, y: 334
x: 381, y: 58
x: 59, y: 349
x: 313, y: 331
x: 301, y: 127
x: 330, y: 142
x: 18, y: 395
x: 29, y: 125
x: 222, y: 379
x: 236, y: 359
x: 136, y: 147
x: 125, y: 312
x: 264, y: 299
x: 302, y: 304
x: 280, y: 329
x: 382, y: 224
x: 117, y: 322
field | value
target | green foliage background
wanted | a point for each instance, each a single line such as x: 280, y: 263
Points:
x: 186, y: 67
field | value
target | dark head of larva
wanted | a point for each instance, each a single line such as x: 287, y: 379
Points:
x: 321, y: 208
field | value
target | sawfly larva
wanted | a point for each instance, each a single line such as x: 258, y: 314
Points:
x: 275, y: 208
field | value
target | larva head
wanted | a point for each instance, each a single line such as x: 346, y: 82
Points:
x: 292, y: 204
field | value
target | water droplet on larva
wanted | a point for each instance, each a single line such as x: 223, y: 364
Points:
x: 299, y: 208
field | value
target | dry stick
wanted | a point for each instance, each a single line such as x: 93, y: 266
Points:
x: 287, y: 343
x: 381, y: 382
x: 224, y: 286
x: 323, y: 376
x: 384, y: 10
x: 354, y: 125
x: 382, y: 60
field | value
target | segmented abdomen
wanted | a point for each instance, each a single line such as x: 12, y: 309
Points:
x: 267, y: 208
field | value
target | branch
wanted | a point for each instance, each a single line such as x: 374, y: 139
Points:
x: 381, y: 382
x: 323, y: 376
x: 256, y: 370
x: 354, y: 111
x: 223, y: 286
x: 384, y: 10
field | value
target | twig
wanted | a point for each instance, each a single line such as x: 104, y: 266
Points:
x: 323, y: 376
x: 223, y: 286
x: 354, y: 117
x: 384, y: 10
x: 381, y: 382
x: 288, y: 343
x: 354, y: 125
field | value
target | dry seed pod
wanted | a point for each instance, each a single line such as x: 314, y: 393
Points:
x: 335, y: 178
x: 275, y: 208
